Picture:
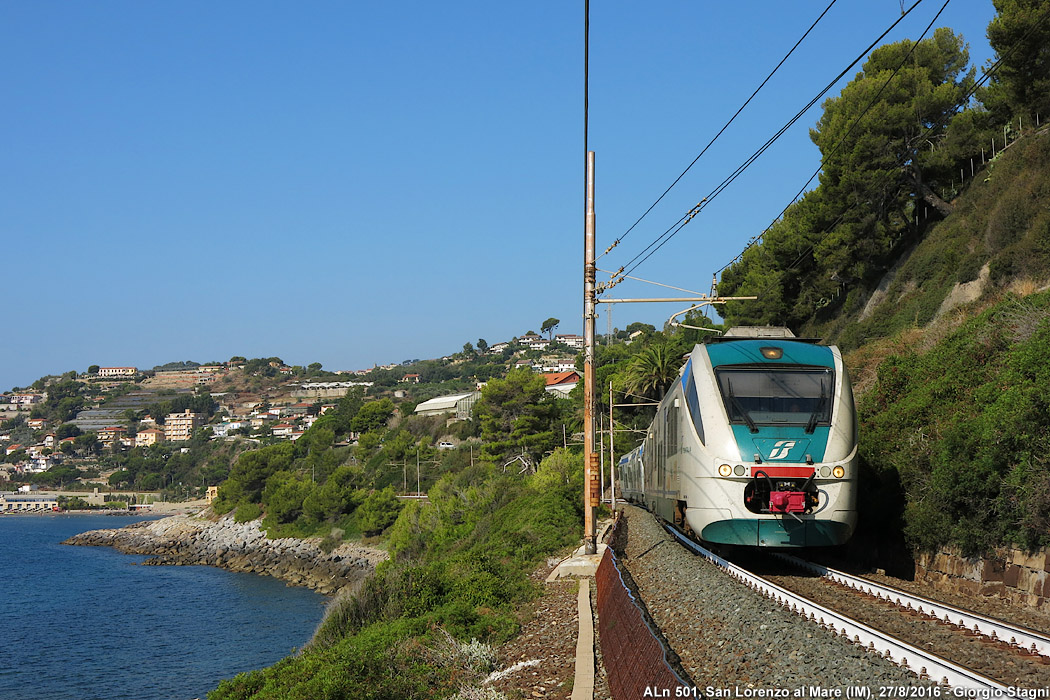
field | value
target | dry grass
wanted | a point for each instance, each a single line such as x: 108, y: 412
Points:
x: 863, y: 363
x: 1026, y: 286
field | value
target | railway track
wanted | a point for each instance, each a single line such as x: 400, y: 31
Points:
x: 1024, y: 639
x: 991, y: 667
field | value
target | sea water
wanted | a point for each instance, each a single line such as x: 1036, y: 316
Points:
x: 89, y: 623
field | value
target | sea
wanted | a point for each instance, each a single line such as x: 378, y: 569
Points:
x: 89, y: 623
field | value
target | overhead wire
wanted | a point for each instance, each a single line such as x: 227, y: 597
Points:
x: 978, y: 84
x: 673, y: 230
x: 849, y: 132
x: 720, y: 131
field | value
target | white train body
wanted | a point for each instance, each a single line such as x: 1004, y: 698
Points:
x: 754, y: 445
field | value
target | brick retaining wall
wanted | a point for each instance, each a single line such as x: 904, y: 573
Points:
x: 1011, y: 574
x: 634, y: 658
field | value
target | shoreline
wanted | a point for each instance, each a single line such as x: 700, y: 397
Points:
x: 195, y: 540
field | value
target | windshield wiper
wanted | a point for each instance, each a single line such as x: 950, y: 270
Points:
x: 739, y: 407
x: 811, y: 425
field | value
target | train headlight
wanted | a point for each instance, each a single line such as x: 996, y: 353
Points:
x: 739, y: 470
x: 825, y: 471
x: 838, y: 472
x: 725, y: 470
x: 772, y: 353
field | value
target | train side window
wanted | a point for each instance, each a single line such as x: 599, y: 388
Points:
x: 693, y: 401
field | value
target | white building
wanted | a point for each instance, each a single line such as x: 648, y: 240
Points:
x: 573, y: 341
x: 117, y: 371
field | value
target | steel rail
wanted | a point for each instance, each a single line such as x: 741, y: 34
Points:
x: 1026, y: 639
x: 901, y: 653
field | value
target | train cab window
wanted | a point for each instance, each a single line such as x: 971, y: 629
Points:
x: 693, y: 402
x: 780, y: 396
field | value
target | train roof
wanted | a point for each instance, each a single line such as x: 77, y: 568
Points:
x: 759, y: 333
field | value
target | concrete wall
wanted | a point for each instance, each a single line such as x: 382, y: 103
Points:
x: 1011, y: 574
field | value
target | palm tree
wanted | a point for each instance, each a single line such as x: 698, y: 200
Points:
x: 652, y: 370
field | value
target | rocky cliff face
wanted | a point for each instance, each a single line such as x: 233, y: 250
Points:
x: 194, y: 540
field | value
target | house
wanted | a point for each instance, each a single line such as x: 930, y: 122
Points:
x: 561, y: 383
x: 498, y: 348
x: 558, y: 364
x: 26, y: 399
x: 49, y: 440
x: 413, y: 378
x: 283, y: 430
x: 458, y: 405
x: 150, y: 436
x: 260, y: 420
x: 224, y: 429
x: 573, y: 341
x: 533, y: 341
x: 36, y: 423
x: 13, y: 448
x: 117, y: 371
x: 107, y: 435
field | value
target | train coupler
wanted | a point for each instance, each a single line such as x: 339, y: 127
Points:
x: 787, y: 502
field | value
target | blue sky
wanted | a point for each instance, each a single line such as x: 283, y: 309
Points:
x: 357, y: 183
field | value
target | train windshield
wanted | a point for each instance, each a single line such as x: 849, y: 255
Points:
x: 780, y: 396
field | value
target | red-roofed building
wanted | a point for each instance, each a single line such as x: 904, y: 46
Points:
x: 561, y: 383
x: 283, y: 430
x: 150, y: 436
x: 107, y: 435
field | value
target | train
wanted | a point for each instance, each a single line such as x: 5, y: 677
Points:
x: 755, y: 444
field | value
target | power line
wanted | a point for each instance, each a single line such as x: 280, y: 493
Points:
x: 849, y: 132
x: 724, y: 127
x: 673, y: 230
x: 979, y: 83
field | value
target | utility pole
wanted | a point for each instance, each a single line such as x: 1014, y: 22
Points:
x: 612, y: 452
x: 590, y: 464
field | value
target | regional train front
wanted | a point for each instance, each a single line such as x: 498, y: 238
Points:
x: 777, y: 464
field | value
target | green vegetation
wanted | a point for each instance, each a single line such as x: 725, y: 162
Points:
x: 963, y: 428
x: 459, y: 565
x: 872, y: 258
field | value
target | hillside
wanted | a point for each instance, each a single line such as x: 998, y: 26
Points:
x: 946, y: 355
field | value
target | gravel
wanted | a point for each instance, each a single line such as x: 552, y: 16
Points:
x: 998, y: 661
x: 732, y: 641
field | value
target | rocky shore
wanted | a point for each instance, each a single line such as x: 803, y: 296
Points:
x: 182, y: 540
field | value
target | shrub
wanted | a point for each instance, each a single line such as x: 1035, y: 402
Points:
x: 247, y: 512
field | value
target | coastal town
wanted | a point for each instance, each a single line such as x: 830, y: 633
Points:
x: 248, y: 402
